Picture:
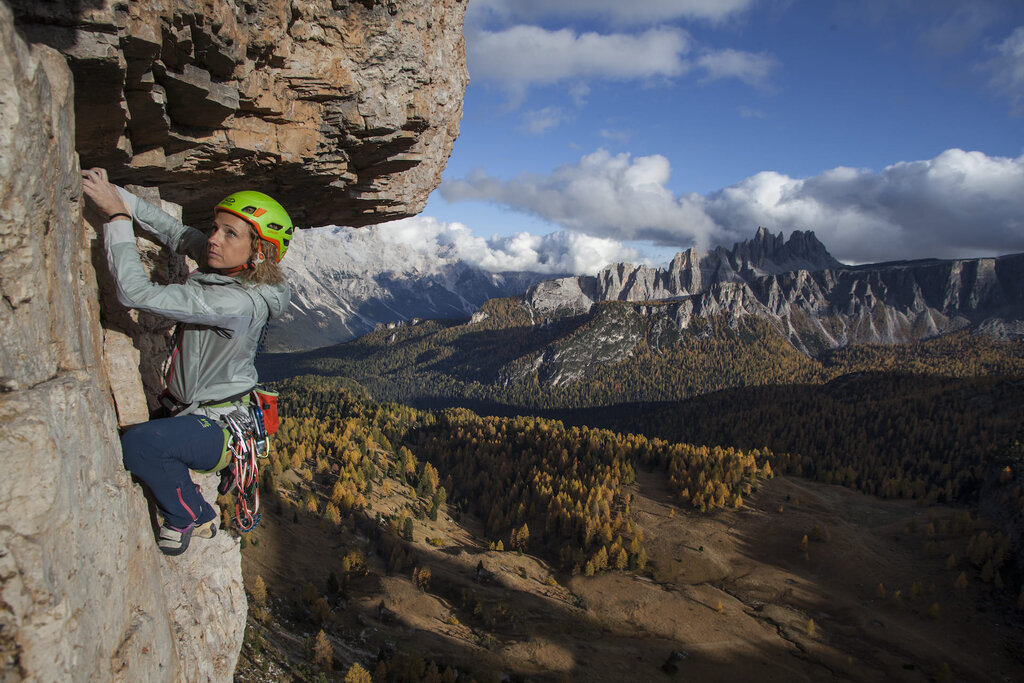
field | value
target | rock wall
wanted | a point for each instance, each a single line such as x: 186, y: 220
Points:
x: 85, y: 594
x: 346, y: 111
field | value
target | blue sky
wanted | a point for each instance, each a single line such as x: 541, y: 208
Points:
x: 602, y: 130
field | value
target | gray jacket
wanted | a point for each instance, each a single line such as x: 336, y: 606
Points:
x: 222, y: 316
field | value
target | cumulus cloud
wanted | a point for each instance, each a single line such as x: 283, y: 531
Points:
x: 605, y: 195
x: 523, y: 56
x: 617, y: 11
x: 556, y: 253
x: 1006, y: 69
x: 753, y: 69
x: 530, y: 55
x: 957, y: 204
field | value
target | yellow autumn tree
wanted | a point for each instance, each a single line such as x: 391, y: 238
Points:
x: 258, y: 591
x: 357, y: 674
x: 323, y: 652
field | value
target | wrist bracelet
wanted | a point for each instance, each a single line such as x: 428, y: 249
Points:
x: 119, y: 213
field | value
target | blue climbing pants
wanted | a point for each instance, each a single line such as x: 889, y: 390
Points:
x: 161, y: 453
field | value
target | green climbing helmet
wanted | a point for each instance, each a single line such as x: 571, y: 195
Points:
x: 263, y: 213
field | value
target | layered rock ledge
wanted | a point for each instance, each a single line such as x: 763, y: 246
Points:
x: 345, y: 110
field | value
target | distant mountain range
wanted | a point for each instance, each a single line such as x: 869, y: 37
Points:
x: 346, y: 281
x: 812, y: 299
x: 767, y: 311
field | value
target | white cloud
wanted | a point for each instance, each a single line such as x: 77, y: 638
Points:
x: 557, y: 253
x: 538, y: 121
x: 579, y: 92
x: 752, y: 69
x: 957, y: 204
x: 610, y: 196
x: 616, y: 11
x: 1007, y: 69
x: 528, y: 55
x: 622, y: 136
x: 523, y: 56
x: 957, y: 28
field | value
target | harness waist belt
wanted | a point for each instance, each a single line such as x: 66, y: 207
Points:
x: 171, y: 402
x: 224, y: 402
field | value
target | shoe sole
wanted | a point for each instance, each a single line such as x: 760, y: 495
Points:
x: 174, y: 550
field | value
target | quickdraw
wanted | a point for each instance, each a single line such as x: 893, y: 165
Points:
x: 248, y: 442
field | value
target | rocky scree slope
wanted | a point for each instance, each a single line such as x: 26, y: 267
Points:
x: 346, y: 281
x: 84, y: 593
x: 808, y: 296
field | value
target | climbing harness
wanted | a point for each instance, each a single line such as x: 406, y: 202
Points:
x: 249, y: 441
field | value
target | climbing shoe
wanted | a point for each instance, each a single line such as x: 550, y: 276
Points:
x: 174, y: 541
x: 206, y: 529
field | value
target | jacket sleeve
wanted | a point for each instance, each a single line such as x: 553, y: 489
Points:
x: 168, y: 229
x: 229, y: 309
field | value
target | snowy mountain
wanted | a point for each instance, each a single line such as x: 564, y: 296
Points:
x: 345, y: 281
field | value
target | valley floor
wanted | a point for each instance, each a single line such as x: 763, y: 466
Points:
x: 727, y: 595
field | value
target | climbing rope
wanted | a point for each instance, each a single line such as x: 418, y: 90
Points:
x: 248, y: 442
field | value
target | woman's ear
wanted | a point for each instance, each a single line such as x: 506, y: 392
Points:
x: 256, y: 257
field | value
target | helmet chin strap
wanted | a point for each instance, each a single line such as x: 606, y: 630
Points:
x: 257, y: 260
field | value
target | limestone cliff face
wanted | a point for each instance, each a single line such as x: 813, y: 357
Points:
x: 344, y: 110
x: 85, y: 595
x: 351, y: 104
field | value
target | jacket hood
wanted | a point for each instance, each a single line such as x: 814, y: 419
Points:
x: 276, y: 296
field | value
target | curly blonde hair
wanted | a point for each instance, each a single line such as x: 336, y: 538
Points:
x: 267, y: 272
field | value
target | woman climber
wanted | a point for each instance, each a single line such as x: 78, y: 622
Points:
x: 222, y: 310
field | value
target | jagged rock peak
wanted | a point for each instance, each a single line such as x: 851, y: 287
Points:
x: 690, y: 272
x: 768, y: 253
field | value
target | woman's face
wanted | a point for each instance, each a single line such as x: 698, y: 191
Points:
x: 230, y: 243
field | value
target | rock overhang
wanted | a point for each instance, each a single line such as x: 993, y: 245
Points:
x: 346, y: 112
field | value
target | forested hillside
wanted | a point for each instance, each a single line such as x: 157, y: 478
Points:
x: 535, y: 483
x: 380, y: 482
x: 892, y: 435
x: 562, y: 491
